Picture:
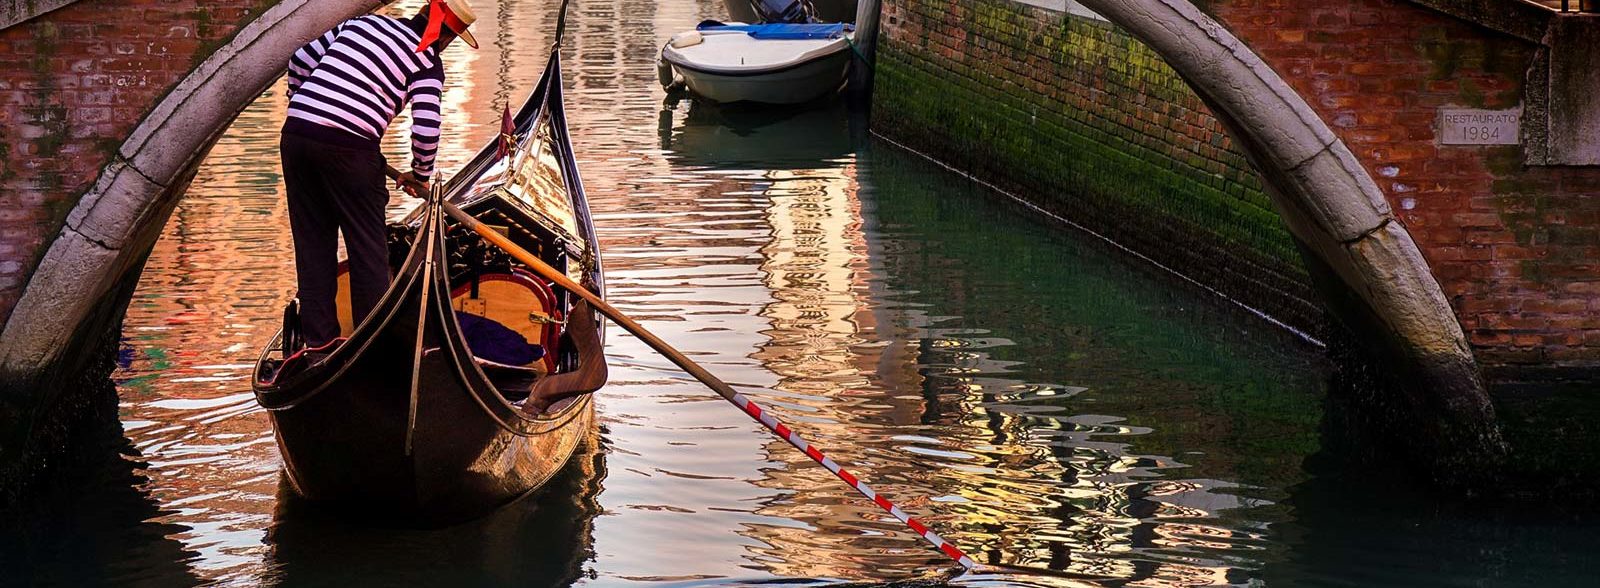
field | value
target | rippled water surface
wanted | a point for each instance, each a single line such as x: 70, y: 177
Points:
x: 1035, y: 398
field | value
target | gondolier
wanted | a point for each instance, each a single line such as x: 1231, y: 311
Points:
x: 345, y: 88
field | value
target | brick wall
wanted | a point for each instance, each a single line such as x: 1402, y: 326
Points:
x: 1076, y: 116
x: 1515, y: 248
x: 73, y: 83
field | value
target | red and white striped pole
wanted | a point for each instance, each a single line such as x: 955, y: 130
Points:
x: 722, y: 388
x: 765, y: 418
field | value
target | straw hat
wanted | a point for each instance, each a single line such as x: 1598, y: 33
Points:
x: 463, y: 17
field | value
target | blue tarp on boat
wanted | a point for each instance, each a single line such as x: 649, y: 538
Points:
x: 788, y: 31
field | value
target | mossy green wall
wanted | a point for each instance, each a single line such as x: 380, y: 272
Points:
x: 1083, y: 120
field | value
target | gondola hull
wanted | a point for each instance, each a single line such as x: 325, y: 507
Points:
x: 401, y: 418
x: 468, y: 467
x: 351, y: 448
x: 352, y: 430
x: 547, y: 537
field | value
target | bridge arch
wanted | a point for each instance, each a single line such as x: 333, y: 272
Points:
x: 113, y: 226
x: 58, y: 336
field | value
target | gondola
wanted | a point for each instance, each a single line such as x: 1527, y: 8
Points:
x: 422, y: 409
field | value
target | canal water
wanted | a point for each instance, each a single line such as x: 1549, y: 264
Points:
x: 1031, y: 394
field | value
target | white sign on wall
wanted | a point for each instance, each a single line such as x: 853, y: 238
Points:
x: 1067, y: 6
x: 1467, y: 126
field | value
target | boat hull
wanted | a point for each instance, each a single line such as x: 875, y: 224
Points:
x: 378, y: 426
x: 548, y: 536
x: 470, y: 470
x: 796, y: 84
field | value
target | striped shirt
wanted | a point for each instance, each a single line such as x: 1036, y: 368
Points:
x: 354, y: 79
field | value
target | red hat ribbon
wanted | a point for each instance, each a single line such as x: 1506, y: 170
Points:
x: 439, y: 15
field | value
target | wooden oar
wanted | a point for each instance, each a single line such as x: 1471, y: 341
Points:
x: 395, y: 174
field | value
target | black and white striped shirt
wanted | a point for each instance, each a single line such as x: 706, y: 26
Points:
x: 355, y: 78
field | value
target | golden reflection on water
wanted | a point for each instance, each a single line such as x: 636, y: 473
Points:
x: 770, y: 271
x: 826, y: 347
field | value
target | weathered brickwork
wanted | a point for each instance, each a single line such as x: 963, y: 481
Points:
x: 1515, y: 248
x: 1083, y: 120
x: 74, y: 83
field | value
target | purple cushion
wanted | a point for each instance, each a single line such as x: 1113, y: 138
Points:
x: 495, y: 342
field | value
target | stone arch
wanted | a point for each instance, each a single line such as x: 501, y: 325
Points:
x: 1338, y: 214
x: 111, y: 230
x: 58, y: 340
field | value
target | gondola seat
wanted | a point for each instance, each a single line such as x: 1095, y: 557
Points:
x: 509, y: 319
x: 510, y: 322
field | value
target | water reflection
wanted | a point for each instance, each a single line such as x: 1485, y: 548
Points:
x: 741, y: 136
x: 543, y: 540
x: 98, y: 526
x: 1030, y: 340
x: 1036, y: 399
x: 872, y: 360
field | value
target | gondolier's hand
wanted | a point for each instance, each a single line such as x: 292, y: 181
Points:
x: 415, y: 187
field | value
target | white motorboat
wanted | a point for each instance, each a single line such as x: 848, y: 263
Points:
x: 770, y: 63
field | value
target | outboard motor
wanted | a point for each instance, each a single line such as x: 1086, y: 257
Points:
x: 791, y: 11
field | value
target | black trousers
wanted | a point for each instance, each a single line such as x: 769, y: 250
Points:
x: 334, y: 189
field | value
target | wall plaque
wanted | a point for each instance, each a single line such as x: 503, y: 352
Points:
x: 1463, y: 126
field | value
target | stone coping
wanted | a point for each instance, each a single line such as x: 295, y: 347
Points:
x: 15, y: 12
x: 1522, y: 19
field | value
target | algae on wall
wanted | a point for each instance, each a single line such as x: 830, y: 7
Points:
x: 1086, y: 122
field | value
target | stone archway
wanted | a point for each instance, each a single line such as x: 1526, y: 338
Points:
x: 65, y: 322
x: 1336, y: 211
x: 113, y: 226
